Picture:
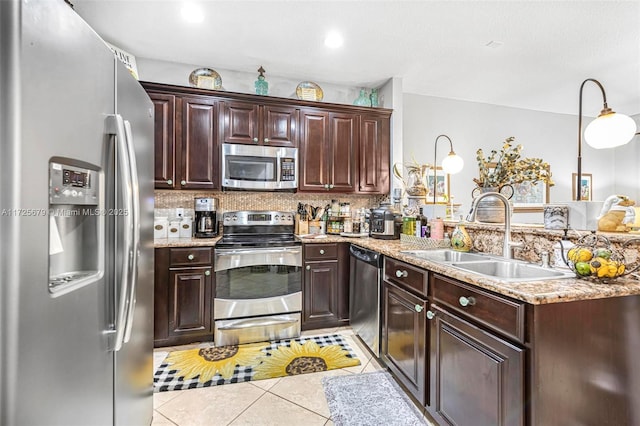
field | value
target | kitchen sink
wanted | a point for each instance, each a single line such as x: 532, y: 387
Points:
x: 512, y: 271
x: 446, y: 255
x: 508, y: 270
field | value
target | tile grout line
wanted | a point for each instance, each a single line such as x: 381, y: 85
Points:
x: 248, y: 406
x: 295, y: 403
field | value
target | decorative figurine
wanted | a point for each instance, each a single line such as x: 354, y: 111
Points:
x: 262, y: 87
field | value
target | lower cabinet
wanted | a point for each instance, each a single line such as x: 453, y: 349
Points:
x: 404, y: 326
x: 183, y: 295
x: 476, y: 374
x: 325, y: 285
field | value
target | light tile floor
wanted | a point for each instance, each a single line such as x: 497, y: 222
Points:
x: 294, y: 400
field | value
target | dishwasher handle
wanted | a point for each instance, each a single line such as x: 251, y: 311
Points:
x: 364, y: 255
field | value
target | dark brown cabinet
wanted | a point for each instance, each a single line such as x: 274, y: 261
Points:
x: 164, y: 106
x: 257, y: 124
x: 328, y: 151
x: 374, y: 152
x: 404, y: 326
x: 183, y: 295
x: 477, y: 375
x: 326, y: 285
x: 186, y: 140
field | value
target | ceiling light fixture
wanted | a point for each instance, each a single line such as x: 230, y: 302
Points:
x: 608, y: 130
x: 192, y: 13
x: 333, y: 40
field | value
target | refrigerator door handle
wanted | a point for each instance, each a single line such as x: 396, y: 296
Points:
x: 135, y: 216
x: 115, y: 126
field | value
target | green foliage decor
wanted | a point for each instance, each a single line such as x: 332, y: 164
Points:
x: 509, y: 168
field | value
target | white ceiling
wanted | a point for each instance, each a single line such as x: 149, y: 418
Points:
x: 436, y: 47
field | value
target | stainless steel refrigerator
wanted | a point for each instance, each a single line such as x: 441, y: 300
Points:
x: 76, y: 207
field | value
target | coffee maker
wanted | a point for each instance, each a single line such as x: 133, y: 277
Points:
x: 206, y: 225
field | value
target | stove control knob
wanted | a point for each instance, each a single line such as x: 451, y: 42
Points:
x: 235, y: 218
x: 277, y: 217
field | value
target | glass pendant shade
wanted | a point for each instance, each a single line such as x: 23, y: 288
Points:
x: 452, y: 164
x: 610, y: 130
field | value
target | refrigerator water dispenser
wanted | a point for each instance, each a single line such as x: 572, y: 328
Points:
x: 75, y: 223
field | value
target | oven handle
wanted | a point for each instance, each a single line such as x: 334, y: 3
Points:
x: 237, y: 258
x: 230, y: 252
x: 252, y: 323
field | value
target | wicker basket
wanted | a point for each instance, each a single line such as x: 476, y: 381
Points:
x: 425, y: 243
x: 593, y: 259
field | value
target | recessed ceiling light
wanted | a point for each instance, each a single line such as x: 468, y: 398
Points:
x: 333, y: 40
x: 192, y: 13
x: 494, y: 44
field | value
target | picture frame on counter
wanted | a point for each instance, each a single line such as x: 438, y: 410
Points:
x: 442, y: 186
x: 586, y: 185
x: 529, y: 196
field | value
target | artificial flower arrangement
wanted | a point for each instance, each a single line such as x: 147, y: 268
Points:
x: 508, y: 168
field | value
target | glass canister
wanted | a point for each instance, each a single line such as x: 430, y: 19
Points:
x: 409, y: 225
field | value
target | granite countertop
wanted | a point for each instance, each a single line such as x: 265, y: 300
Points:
x: 534, y: 292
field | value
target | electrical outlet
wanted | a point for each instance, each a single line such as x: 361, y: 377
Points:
x: 180, y: 212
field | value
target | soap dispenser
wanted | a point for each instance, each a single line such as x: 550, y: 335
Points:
x: 560, y: 250
x: 460, y: 238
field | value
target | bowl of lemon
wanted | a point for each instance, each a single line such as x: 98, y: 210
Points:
x: 594, y: 259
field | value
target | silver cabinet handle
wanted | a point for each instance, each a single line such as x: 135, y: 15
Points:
x: 321, y: 251
x: 255, y: 140
x: 266, y: 140
x: 207, y: 273
x: 331, y: 186
x: 418, y: 308
x: 183, y: 182
x: 308, y: 268
x: 170, y: 182
x: 467, y: 301
x: 430, y: 315
x: 326, y: 186
x: 191, y: 257
x: 401, y: 274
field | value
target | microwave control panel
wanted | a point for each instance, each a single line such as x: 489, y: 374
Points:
x: 288, y: 169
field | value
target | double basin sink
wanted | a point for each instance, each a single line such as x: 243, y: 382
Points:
x: 508, y: 270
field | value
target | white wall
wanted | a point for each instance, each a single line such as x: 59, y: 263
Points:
x: 470, y: 125
x: 237, y: 81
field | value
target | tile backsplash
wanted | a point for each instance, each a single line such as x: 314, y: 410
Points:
x: 166, y: 201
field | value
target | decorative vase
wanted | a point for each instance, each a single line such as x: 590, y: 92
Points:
x: 491, y: 209
x: 460, y: 239
x: 374, y: 97
x: 261, y: 85
x: 363, y: 99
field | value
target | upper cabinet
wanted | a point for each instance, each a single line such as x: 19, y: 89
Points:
x: 186, y: 141
x: 374, y: 151
x: 328, y: 151
x: 256, y: 124
x: 342, y: 148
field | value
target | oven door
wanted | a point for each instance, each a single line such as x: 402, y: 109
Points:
x: 257, y: 281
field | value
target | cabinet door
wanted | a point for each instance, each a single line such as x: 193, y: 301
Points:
x: 280, y: 126
x: 320, y: 294
x: 199, y: 156
x: 404, y: 339
x: 241, y: 122
x: 343, y: 145
x: 190, y: 301
x: 477, y: 378
x: 314, y: 131
x: 164, y: 137
x: 374, y: 149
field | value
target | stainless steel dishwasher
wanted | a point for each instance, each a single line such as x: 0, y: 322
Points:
x: 364, y: 296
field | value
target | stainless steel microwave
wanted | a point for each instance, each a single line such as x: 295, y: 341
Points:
x: 260, y: 168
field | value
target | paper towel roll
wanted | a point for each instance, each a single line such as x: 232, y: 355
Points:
x: 55, y: 243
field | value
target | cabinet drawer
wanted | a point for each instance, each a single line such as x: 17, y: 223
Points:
x: 320, y: 251
x: 189, y: 256
x: 498, y: 313
x: 406, y: 276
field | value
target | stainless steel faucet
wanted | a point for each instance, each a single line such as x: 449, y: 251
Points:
x: 507, y: 245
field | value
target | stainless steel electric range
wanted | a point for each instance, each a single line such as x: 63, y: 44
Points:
x: 258, y: 271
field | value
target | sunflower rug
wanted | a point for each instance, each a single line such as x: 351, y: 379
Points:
x: 212, y: 366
